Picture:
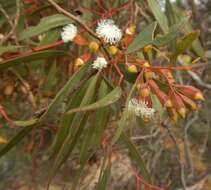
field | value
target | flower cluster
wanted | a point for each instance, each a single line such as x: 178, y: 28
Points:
x: 140, y: 108
x: 110, y: 51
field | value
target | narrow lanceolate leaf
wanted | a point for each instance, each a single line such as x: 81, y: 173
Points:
x: 26, y: 58
x: 45, y: 24
x: 159, y: 15
x: 173, y: 33
x: 4, y: 49
x: 50, y: 80
x: 103, y: 181
x: 143, y: 38
x: 16, y: 139
x: 102, y: 116
x: 109, y: 99
x: 63, y: 93
x: 185, y: 43
x: 123, y: 119
x: 26, y: 123
x: 136, y: 156
x: 77, y: 127
x: 197, y: 46
x: 66, y: 120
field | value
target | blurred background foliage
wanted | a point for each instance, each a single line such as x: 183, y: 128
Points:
x: 40, y: 142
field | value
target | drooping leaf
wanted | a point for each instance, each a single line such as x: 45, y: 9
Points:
x: 136, y: 156
x: 16, y: 139
x: 76, y: 129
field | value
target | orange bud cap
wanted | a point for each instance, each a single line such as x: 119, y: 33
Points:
x: 173, y: 114
x: 80, y: 40
x: 182, y: 111
x: 131, y: 30
x: 199, y: 96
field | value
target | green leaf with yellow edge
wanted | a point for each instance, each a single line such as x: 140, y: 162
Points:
x: 185, y: 43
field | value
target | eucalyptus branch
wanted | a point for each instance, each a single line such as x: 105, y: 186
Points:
x: 73, y: 17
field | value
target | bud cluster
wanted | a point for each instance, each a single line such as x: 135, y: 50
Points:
x: 109, y: 53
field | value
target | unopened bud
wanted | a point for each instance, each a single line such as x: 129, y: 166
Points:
x: 168, y: 104
x: 173, y: 114
x: 199, y: 96
x: 147, y: 48
x: 132, y: 69
x: 78, y: 62
x: 144, y: 92
x: 113, y: 50
x: 94, y: 46
x: 131, y: 30
x: 182, y: 111
x: 149, y: 75
x: 146, y: 64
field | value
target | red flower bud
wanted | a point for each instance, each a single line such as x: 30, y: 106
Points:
x: 190, y: 91
x: 162, y: 97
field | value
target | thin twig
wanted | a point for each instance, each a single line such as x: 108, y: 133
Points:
x: 71, y: 16
x: 178, y: 158
x: 186, y: 143
x: 14, y: 25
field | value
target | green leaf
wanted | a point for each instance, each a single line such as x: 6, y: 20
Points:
x: 30, y: 57
x: 197, y: 47
x: 76, y: 129
x: 103, y: 181
x: 16, y: 139
x: 50, y: 37
x: 26, y: 123
x: 172, y: 35
x: 4, y: 49
x: 45, y: 24
x: 143, y: 38
x: 136, y: 156
x: 159, y: 15
x: 66, y: 120
x: 109, y: 99
x: 50, y: 80
x: 185, y: 43
x: 102, y: 116
x: 63, y: 93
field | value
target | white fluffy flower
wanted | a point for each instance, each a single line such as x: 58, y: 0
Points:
x: 108, y: 31
x: 69, y: 32
x: 100, y: 63
x: 140, y: 108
